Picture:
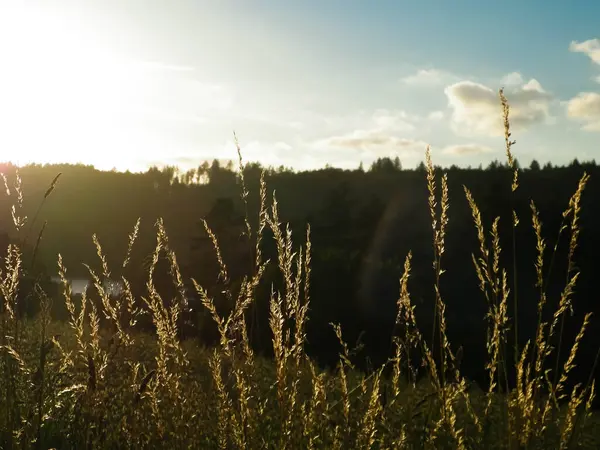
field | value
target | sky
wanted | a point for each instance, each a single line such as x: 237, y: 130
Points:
x: 128, y: 84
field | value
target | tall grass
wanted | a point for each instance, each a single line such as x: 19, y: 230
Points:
x: 99, y: 382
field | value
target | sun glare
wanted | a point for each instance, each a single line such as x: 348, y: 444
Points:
x: 63, y: 97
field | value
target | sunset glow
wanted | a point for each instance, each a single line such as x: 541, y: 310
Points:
x: 128, y: 85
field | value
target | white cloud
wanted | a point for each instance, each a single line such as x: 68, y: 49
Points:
x: 377, y: 142
x: 476, y: 108
x: 382, y: 133
x: 466, y: 150
x: 436, y: 115
x: 512, y: 79
x: 591, y: 48
x: 393, y: 120
x: 586, y: 108
x: 396, y: 120
x: 428, y: 77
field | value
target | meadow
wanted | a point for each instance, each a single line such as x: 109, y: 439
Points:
x: 99, y: 379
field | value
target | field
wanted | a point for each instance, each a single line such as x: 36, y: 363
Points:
x: 98, y: 380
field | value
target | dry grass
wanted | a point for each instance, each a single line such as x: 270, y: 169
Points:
x: 85, y: 385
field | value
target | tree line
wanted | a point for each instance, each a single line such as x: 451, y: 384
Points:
x: 363, y: 224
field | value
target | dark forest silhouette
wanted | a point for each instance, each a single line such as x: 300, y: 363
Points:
x: 363, y: 224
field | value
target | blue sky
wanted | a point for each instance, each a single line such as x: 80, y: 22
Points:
x: 128, y: 84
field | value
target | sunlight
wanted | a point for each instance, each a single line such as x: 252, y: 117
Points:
x: 65, y: 98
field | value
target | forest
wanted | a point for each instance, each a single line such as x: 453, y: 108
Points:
x: 363, y: 223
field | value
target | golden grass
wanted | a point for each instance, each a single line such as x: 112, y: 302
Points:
x: 90, y: 385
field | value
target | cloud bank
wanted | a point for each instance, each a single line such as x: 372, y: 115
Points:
x: 466, y: 150
x: 591, y: 48
x: 376, y: 142
x: 585, y: 107
x: 428, y: 78
x: 476, y: 108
